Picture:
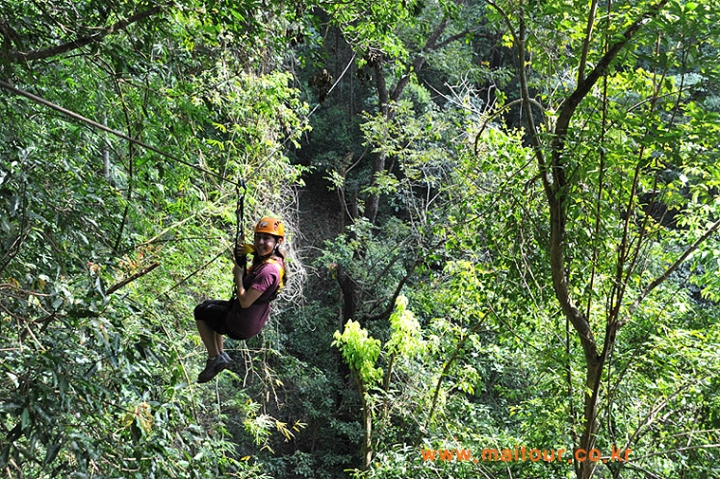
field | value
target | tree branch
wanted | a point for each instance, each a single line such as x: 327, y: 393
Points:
x: 19, y: 56
x: 398, y: 289
x: 419, y: 61
x: 600, y: 69
x: 586, y: 42
x: 132, y: 278
x: 519, y: 38
x: 451, y: 39
x: 443, y: 374
x: 660, y: 279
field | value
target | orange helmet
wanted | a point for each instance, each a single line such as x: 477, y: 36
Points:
x: 269, y: 225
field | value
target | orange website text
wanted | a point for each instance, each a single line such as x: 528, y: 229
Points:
x: 523, y: 453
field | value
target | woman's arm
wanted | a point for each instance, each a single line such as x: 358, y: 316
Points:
x: 246, y: 297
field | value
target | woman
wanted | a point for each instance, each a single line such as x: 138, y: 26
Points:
x: 245, y: 315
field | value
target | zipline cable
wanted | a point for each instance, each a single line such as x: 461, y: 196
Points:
x: 119, y: 134
x: 289, y: 137
x: 77, y: 116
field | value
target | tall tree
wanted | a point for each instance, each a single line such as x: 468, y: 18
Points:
x: 586, y: 131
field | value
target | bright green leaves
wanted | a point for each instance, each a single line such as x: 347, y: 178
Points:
x: 406, y: 337
x: 360, y: 353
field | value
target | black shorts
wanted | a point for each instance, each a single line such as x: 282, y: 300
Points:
x: 214, y: 312
x: 228, y: 318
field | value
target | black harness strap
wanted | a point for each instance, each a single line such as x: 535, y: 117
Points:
x: 239, y: 214
x: 240, y: 258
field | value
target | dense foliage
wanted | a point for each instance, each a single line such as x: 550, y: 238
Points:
x: 503, y: 225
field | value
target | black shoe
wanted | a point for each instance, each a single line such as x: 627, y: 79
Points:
x: 213, y: 367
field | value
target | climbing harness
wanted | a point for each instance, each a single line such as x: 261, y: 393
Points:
x: 272, y: 226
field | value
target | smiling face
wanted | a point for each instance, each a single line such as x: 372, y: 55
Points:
x: 265, y: 243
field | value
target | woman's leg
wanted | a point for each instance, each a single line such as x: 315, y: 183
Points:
x: 210, y: 317
x: 211, y: 312
x: 209, y: 338
x: 216, y: 362
x: 219, y: 343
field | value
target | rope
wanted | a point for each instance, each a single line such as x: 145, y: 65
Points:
x: 289, y: 137
x: 104, y: 128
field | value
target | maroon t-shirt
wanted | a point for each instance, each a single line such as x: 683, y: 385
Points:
x: 244, y: 323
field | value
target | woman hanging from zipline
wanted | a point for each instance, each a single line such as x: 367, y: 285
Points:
x: 243, y: 316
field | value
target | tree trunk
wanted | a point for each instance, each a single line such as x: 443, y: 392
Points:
x: 590, y: 427
x: 367, y: 450
x: 349, y: 292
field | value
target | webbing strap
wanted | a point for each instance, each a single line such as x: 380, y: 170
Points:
x: 239, y: 214
x: 281, y: 283
x: 240, y: 259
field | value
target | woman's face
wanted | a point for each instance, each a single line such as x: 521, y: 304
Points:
x: 264, y: 243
